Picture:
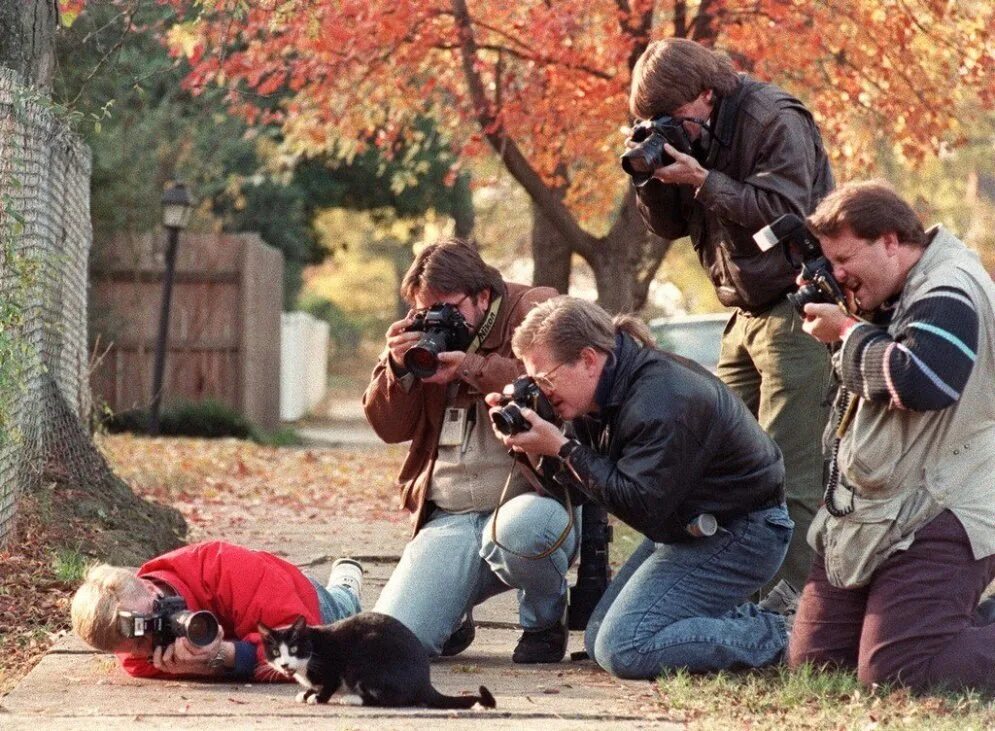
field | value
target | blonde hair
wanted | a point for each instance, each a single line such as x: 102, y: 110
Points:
x: 96, y: 604
x: 567, y: 325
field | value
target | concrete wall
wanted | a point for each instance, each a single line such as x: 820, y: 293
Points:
x: 304, y: 364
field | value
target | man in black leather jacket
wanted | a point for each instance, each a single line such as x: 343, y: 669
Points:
x: 756, y: 154
x: 670, y: 450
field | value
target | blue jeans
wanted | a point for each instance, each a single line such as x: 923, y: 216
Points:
x: 680, y: 605
x: 452, y: 565
x: 335, y: 602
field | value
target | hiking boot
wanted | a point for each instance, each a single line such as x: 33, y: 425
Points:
x: 461, y: 639
x: 542, y: 646
x: 782, y: 599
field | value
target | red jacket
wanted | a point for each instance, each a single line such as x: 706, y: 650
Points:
x: 240, y: 586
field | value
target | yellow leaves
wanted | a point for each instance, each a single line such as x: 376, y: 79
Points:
x: 184, y: 38
x: 69, y: 10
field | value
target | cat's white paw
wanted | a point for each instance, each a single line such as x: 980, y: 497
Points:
x: 351, y: 700
x: 312, y: 700
x: 303, y: 696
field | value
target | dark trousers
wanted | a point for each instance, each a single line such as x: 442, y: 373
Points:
x: 914, y: 623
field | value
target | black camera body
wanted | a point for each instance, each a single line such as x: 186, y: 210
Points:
x: 804, y: 252
x: 521, y: 393
x: 648, y: 155
x: 445, y: 329
x: 168, y: 620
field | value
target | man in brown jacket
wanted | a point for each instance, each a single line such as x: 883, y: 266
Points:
x: 455, y: 471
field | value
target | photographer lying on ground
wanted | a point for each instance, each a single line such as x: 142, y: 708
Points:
x: 429, y: 386
x: 129, y: 614
x: 739, y: 153
x: 662, y: 444
x: 905, y: 542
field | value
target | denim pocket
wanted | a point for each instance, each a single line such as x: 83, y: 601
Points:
x: 781, y: 524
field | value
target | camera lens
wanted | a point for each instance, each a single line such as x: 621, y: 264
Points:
x: 421, y: 361
x: 509, y: 420
x: 199, y: 627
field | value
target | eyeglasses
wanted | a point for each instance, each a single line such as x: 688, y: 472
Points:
x: 544, y: 380
x: 456, y: 304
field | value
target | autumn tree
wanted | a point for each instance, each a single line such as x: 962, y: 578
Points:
x: 544, y: 86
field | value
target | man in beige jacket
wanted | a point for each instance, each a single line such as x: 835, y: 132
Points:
x: 905, y: 543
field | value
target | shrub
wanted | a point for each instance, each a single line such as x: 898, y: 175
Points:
x: 209, y: 419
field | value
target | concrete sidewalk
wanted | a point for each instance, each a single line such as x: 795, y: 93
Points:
x: 76, y: 688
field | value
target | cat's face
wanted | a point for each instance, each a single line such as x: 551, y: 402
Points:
x: 287, y: 650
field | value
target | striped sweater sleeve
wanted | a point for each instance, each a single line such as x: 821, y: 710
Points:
x: 925, y: 365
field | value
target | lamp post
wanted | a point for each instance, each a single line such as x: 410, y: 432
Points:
x: 176, y: 209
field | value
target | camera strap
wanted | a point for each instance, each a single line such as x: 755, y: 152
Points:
x: 533, y: 478
x: 486, y: 326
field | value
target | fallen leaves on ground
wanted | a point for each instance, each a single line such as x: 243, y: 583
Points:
x: 198, y: 476
x: 34, y: 603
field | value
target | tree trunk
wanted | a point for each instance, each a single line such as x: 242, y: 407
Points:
x: 27, y: 39
x: 463, y: 214
x: 625, y: 260
x: 550, y: 254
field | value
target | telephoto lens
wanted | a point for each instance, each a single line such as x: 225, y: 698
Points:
x: 199, y: 627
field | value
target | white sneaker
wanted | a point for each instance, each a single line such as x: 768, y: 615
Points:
x: 347, y: 572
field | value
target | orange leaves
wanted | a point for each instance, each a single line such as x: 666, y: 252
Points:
x: 69, y: 10
x: 193, y: 473
x: 556, y: 75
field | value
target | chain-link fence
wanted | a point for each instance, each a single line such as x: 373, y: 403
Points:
x: 45, y: 239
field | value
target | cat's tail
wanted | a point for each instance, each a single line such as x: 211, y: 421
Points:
x: 438, y: 700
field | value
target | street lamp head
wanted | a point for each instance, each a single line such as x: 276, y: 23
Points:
x: 176, y: 206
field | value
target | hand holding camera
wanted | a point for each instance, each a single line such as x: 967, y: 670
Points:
x: 661, y: 148
x: 523, y: 419
x: 431, y: 343
x: 183, y: 657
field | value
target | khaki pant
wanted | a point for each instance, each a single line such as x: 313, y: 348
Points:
x: 782, y: 374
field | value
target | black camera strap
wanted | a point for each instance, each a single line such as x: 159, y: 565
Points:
x: 535, y: 480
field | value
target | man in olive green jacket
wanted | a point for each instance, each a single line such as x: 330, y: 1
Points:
x: 756, y: 154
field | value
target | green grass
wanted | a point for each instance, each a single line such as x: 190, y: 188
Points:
x: 69, y: 565
x: 282, y: 437
x: 807, y: 698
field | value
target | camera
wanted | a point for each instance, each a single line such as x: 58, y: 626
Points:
x: 802, y: 249
x: 648, y: 154
x: 521, y: 393
x: 169, y: 620
x: 444, y: 329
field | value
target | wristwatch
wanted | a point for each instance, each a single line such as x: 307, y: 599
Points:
x: 218, y: 661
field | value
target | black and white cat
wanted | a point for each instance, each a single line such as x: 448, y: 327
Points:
x: 377, y: 657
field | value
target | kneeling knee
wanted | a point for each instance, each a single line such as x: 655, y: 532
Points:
x: 616, y: 657
x: 527, y: 524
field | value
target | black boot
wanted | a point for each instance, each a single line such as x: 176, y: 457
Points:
x: 461, y: 639
x: 542, y: 646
